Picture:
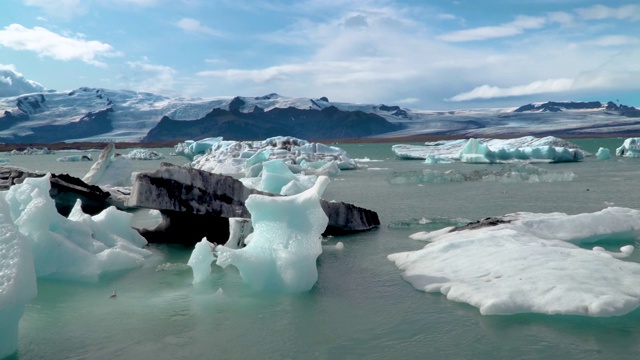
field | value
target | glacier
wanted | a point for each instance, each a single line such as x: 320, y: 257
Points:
x: 532, y: 263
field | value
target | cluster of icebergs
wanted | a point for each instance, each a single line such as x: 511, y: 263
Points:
x: 233, y: 157
x: 37, y: 242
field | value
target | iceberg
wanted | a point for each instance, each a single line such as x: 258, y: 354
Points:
x: 110, y: 169
x: 79, y: 247
x: 143, y: 154
x: 285, y: 244
x: 527, y: 148
x: 74, y: 158
x: 532, y: 263
x: 629, y: 148
x: 190, y: 148
x: 276, y: 177
x: 603, y: 154
x: 17, y: 280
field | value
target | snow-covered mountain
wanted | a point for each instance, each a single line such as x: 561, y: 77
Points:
x: 89, y: 114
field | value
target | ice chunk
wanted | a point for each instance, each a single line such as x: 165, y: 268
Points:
x: 285, y: 243
x: 143, y: 154
x: 239, y: 229
x: 73, y: 158
x: 629, y: 148
x: 80, y: 247
x: 603, y: 154
x: 17, y: 280
x: 532, y: 263
x: 200, y: 261
x: 110, y: 170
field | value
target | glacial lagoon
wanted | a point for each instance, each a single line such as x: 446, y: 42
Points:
x: 360, y: 308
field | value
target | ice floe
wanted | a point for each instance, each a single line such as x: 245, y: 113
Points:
x: 533, y: 263
x: 527, y: 148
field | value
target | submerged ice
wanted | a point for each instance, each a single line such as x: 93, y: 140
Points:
x: 540, y: 263
x: 509, y: 173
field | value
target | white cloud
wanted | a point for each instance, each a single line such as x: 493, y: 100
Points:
x: 65, y: 9
x: 516, y: 27
x: 49, y: 44
x: 600, y: 12
x: 194, y: 26
x: 614, y: 40
x: 536, y: 87
x: 154, y: 78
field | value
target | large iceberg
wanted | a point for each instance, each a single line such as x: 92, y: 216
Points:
x: 17, y: 280
x: 282, y: 251
x: 234, y: 157
x: 527, y: 148
x: 532, y: 263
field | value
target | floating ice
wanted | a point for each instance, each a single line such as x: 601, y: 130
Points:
x: 143, y: 154
x: 532, y: 263
x: 4, y: 160
x: 510, y: 173
x: 17, y: 280
x: 80, y: 247
x: 603, y: 154
x: 629, y: 148
x: 110, y: 169
x: 527, y: 148
x: 190, y: 149
x: 73, y: 158
x: 200, y: 260
x: 285, y: 244
x: 32, y: 151
x: 232, y: 157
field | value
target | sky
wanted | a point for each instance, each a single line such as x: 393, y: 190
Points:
x: 417, y: 54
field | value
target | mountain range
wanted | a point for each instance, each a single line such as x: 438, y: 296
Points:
x: 90, y: 114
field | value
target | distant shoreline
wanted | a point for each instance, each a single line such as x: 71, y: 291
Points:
x: 402, y: 139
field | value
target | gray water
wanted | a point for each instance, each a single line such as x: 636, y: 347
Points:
x: 360, y: 307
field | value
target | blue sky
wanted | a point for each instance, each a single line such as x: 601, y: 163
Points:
x: 417, y: 54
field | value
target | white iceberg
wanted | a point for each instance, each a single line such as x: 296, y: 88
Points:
x: 110, y: 169
x: 527, y: 148
x: 17, y: 280
x: 531, y: 263
x: 143, y: 154
x: 603, y: 154
x: 287, y: 240
x: 74, y: 158
x: 629, y: 148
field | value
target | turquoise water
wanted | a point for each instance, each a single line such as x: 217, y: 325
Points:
x: 360, y: 308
